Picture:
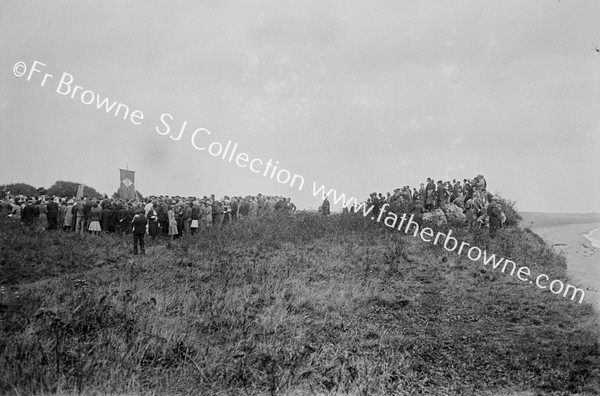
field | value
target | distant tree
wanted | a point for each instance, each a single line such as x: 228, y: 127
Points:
x: 63, y: 189
x: 69, y: 189
x: 116, y: 195
x: 18, y: 189
x: 91, y: 193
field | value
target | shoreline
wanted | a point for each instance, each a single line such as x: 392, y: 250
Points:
x: 583, y: 258
x: 594, y: 243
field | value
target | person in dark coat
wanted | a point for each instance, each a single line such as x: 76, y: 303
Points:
x: 139, y: 231
x: 123, y: 224
x: 105, y: 203
x: 196, y: 217
x: 280, y: 206
x: 163, y: 217
x: 234, y: 205
x: 113, y: 220
x: 87, y: 209
x: 29, y: 213
x: 430, y: 194
x: 107, y: 215
x: 53, y: 211
x: 442, y: 194
x: 153, y: 228
x: 468, y: 189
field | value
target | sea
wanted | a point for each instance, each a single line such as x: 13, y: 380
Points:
x: 594, y: 237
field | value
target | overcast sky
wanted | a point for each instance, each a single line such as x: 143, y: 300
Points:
x: 360, y: 96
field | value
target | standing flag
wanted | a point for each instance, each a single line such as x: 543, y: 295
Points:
x: 79, y: 192
x: 127, y: 188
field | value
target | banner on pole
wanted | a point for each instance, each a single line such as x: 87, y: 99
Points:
x: 127, y: 186
x: 79, y: 194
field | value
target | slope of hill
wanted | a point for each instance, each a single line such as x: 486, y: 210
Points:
x: 303, y: 304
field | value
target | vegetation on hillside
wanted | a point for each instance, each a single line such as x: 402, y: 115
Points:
x: 18, y: 189
x: 69, y: 189
x: 291, y: 304
x: 59, y: 188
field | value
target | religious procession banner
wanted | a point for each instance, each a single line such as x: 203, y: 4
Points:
x: 127, y: 187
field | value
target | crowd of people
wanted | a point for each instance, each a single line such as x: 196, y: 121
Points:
x: 175, y: 217
x: 481, y: 209
x: 163, y: 215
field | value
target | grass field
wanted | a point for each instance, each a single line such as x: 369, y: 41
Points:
x: 295, y: 305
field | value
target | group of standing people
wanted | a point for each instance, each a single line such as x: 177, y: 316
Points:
x: 481, y: 208
x: 170, y: 216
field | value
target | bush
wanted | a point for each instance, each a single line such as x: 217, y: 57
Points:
x: 69, y: 189
x: 510, y: 210
x: 18, y: 189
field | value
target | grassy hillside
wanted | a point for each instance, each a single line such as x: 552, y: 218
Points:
x: 297, y: 305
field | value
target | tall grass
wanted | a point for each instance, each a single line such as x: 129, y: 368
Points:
x: 302, y: 304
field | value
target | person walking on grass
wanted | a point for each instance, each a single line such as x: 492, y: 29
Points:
x: 139, y: 223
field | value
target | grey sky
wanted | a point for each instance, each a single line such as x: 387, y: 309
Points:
x: 359, y: 96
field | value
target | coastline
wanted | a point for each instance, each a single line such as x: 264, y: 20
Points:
x: 583, y: 259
